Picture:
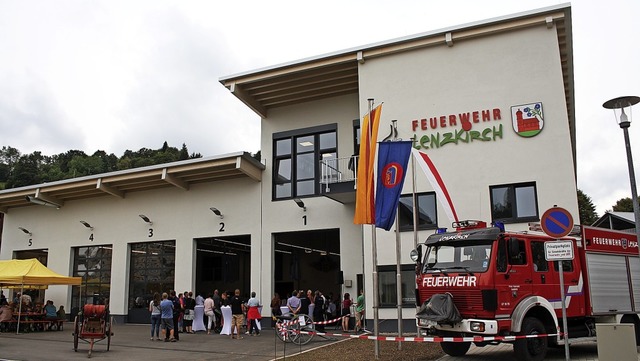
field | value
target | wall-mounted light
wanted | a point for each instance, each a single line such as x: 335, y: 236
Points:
x: 300, y: 204
x: 145, y: 218
x: 216, y: 212
x: 25, y: 231
x: 42, y: 202
x: 86, y: 225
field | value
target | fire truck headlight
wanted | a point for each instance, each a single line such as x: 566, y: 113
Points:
x: 422, y: 322
x: 477, y: 326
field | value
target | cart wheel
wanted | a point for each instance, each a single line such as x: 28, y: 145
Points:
x: 109, y: 332
x: 305, y: 330
x: 75, y: 334
x: 281, y: 330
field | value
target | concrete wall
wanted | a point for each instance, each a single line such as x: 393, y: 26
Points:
x: 176, y: 215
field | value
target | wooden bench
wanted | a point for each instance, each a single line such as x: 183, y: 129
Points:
x: 43, y: 324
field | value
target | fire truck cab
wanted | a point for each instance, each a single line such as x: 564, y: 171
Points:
x: 500, y: 284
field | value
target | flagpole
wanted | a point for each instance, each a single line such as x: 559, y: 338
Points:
x: 374, y: 260
x: 415, y: 208
x: 398, y: 260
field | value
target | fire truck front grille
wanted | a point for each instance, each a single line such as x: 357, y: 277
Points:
x: 467, y: 301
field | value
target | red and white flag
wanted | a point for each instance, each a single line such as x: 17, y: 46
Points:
x: 437, y: 183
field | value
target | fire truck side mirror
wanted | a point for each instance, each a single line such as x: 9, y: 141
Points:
x: 415, y: 254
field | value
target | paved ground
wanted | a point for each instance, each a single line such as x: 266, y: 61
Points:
x: 504, y: 352
x: 131, y: 342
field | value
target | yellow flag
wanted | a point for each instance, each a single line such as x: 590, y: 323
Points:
x: 365, y: 183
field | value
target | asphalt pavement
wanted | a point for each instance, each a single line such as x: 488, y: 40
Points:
x: 132, y: 342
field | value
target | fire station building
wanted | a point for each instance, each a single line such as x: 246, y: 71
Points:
x: 491, y: 103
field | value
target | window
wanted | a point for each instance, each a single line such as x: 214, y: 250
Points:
x: 387, y: 285
x: 296, y: 160
x: 540, y: 263
x: 356, y: 136
x: 514, y: 203
x: 567, y: 266
x: 426, y: 206
x: 471, y: 257
x: 518, y: 256
x: 501, y: 260
x: 93, y: 264
x: 152, y: 270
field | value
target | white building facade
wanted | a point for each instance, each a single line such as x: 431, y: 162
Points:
x: 491, y: 103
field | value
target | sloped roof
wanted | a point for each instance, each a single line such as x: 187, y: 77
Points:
x: 622, y: 221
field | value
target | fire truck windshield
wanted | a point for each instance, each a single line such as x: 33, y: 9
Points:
x: 458, y: 257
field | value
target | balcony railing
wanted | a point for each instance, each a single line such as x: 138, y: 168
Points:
x: 338, y: 170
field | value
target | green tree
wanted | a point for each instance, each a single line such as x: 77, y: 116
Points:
x: 82, y: 166
x: 623, y: 205
x: 18, y: 170
x: 184, y: 152
x: 26, y: 171
x: 109, y: 161
x: 586, y: 209
x: 8, y: 158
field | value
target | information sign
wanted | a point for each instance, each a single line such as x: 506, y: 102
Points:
x: 558, y: 250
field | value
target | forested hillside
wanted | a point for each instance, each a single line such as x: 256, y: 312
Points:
x: 17, y: 169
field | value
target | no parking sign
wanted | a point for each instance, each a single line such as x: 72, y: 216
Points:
x: 556, y: 222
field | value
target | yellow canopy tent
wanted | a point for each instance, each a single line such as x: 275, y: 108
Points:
x: 30, y: 273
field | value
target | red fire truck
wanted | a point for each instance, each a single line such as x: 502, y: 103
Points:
x: 502, y: 285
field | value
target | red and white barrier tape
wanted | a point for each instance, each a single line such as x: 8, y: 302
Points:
x: 289, y: 322
x: 329, y: 321
x: 434, y: 339
x: 416, y: 339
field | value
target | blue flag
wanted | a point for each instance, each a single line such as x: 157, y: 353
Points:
x: 393, y: 158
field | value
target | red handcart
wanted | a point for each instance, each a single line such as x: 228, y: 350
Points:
x: 93, y: 325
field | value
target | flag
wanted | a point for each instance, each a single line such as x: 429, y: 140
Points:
x: 393, y: 158
x: 437, y: 183
x: 365, y: 211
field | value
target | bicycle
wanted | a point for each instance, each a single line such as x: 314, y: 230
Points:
x: 298, y: 329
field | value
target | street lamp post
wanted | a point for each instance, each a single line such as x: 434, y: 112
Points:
x: 624, y: 121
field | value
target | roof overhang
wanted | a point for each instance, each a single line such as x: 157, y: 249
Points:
x: 335, y: 74
x: 181, y: 174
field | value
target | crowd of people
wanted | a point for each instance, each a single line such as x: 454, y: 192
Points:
x: 326, y: 308
x: 22, y: 304
x: 173, y: 314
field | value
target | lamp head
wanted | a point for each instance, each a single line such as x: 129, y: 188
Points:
x: 217, y: 212
x: 86, y: 225
x: 25, y: 231
x: 624, y: 120
x: 300, y: 204
x: 145, y: 218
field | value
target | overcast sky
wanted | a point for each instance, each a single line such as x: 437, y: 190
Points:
x: 116, y: 75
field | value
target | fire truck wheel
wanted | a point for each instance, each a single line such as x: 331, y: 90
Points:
x: 531, y: 349
x: 455, y: 348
